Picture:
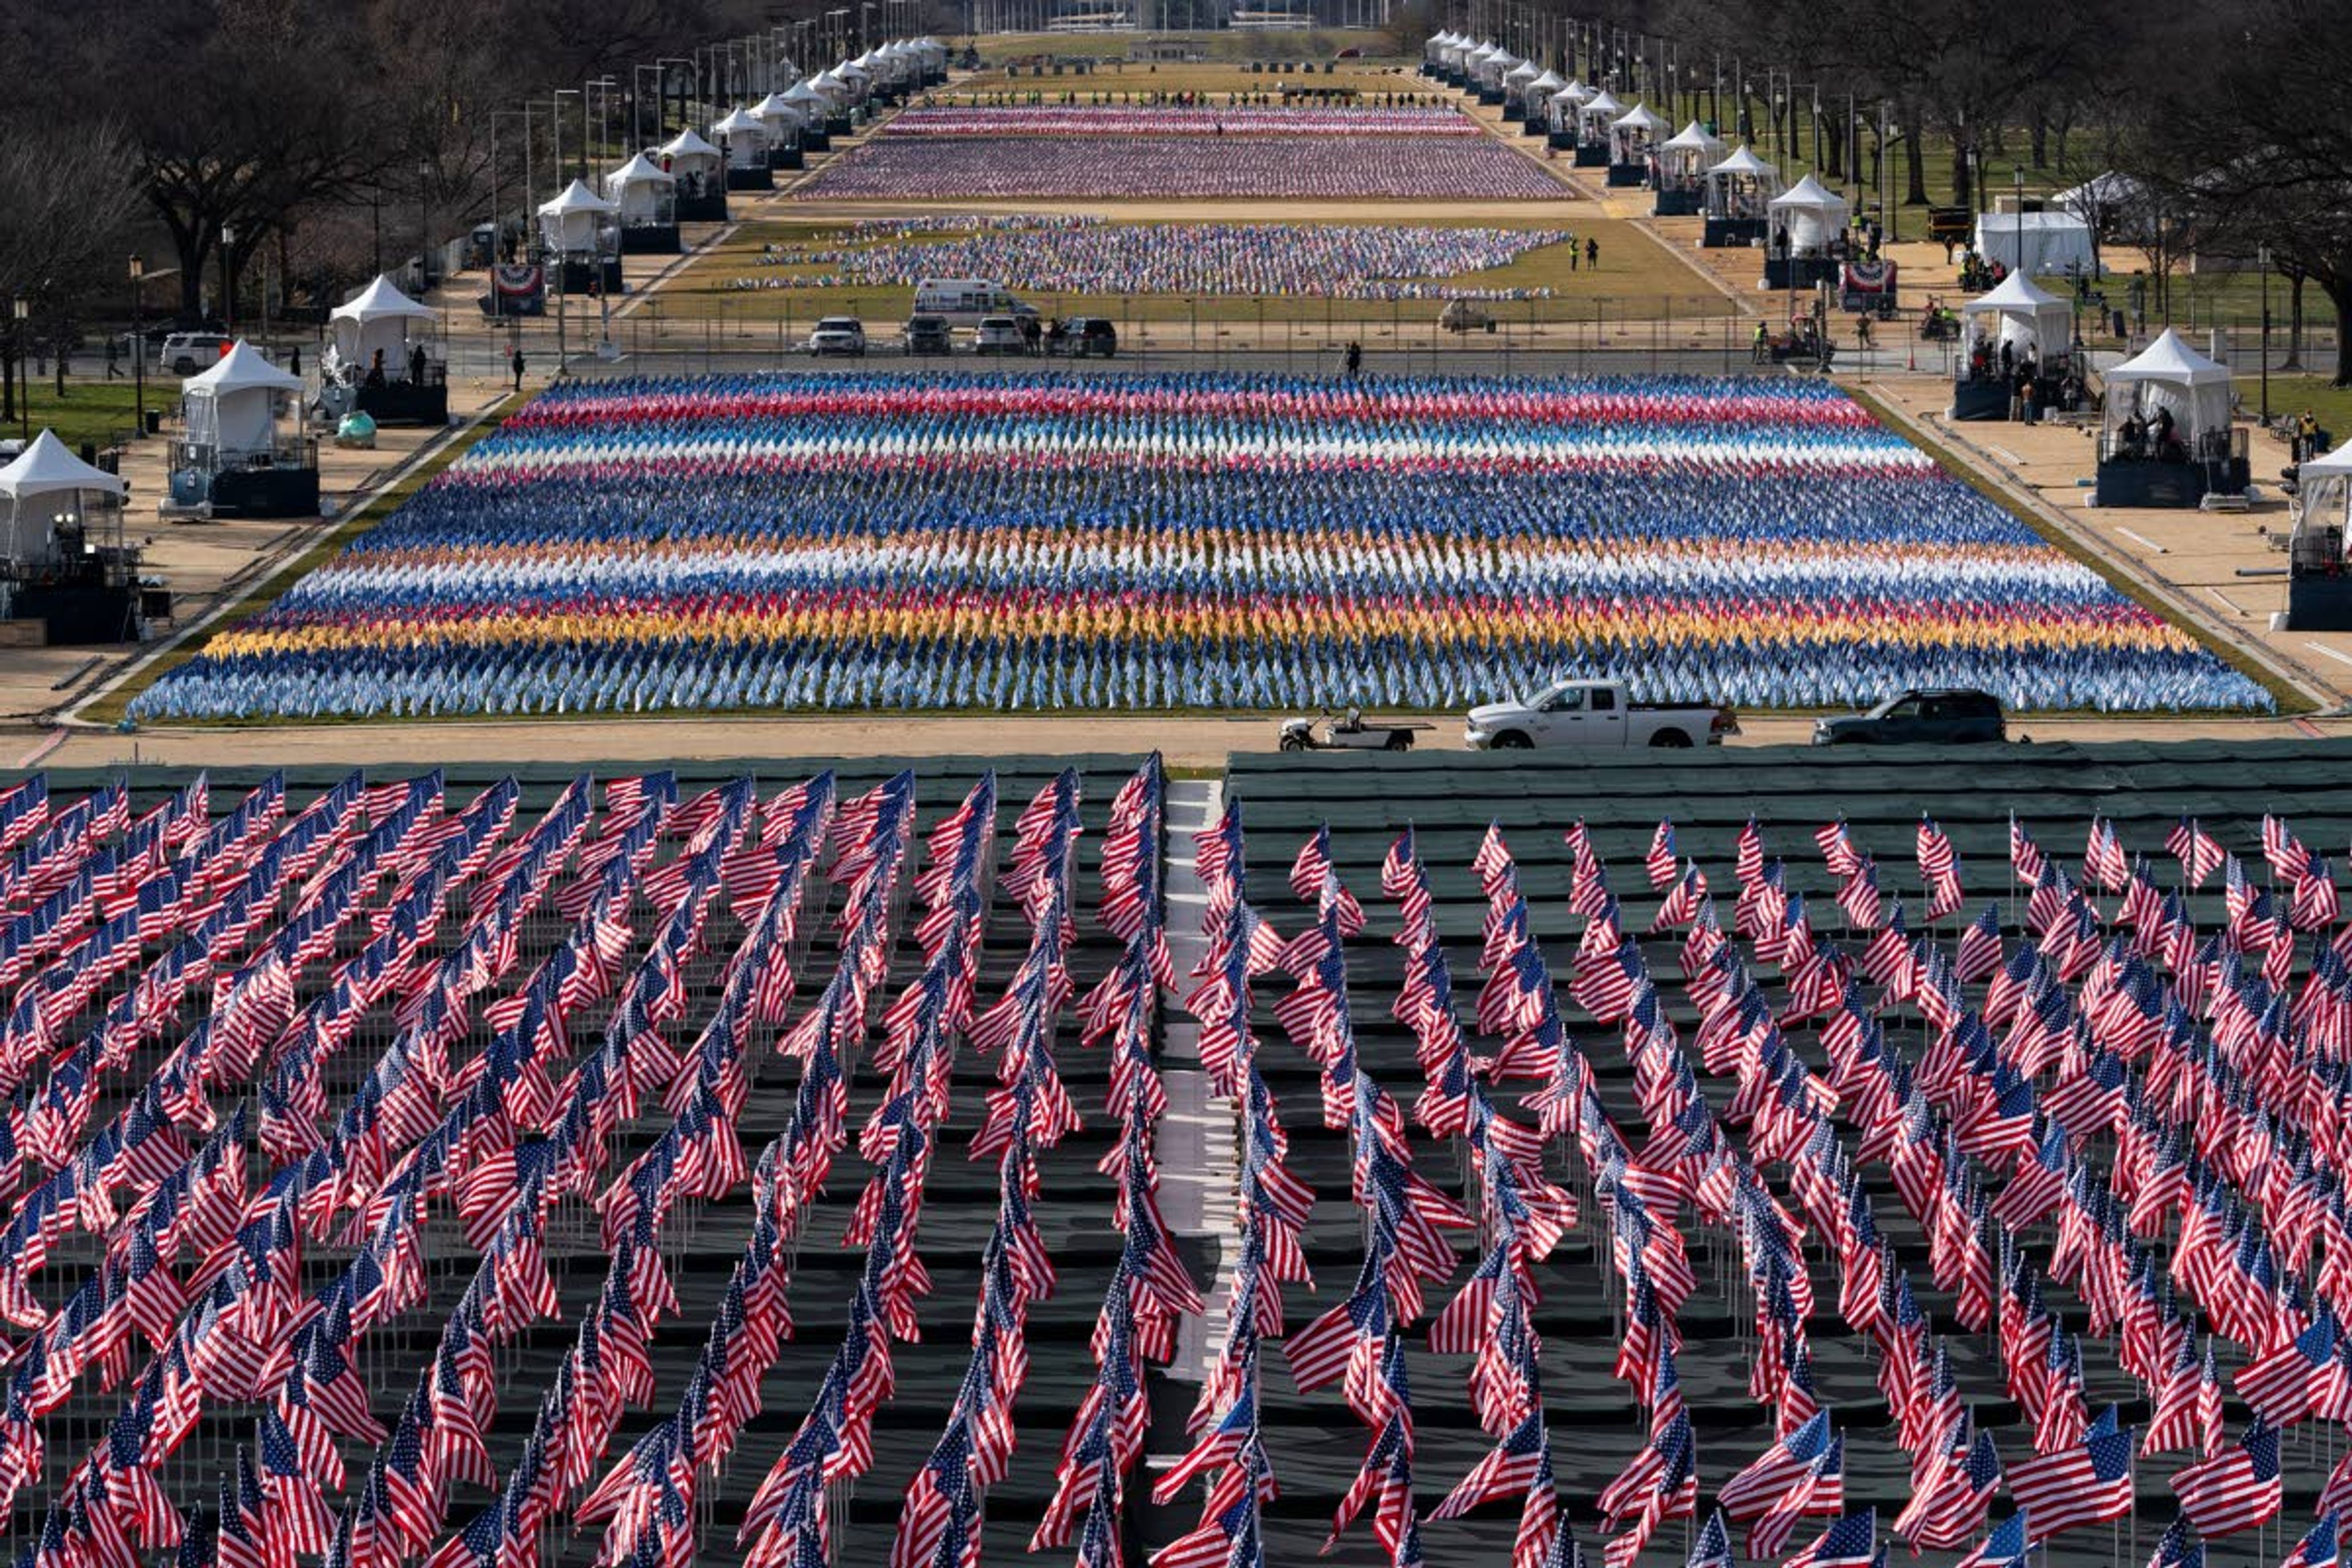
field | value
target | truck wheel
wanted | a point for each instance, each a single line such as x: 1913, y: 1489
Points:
x: 1512, y: 740
x: 1671, y: 740
x: 1399, y: 742
x: 1292, y: 743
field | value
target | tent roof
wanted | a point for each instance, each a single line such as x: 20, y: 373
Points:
x: 740, y: 121
x: 640, y: 171
x: 1809, y: 194
x: 2339, y: 461
x: 1602, y: 103
x: 46, y: 468
x: 1574, y: 92
x: 1526, y: 71
x: 1548, y: 82
x: 242, y: 369
x: 775, y: 103
x: 2170, y: 358
x: 1743, y: 162
x: 687, y: 144
x: 802, y: 92
x: 2109, y: 189
x: 1694, y: 137
x: 576, y: 198
x: 2017, y: 292
x: 1639, y: 118
x: 378, y: 302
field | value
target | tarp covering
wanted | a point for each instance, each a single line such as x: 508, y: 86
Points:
x: 2042, y: 242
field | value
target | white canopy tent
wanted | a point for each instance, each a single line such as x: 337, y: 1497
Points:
x: 780, y: 115
x: 1515, y: 79
x: 2020, y: 313
x: 2171, y: 375
x: 746, y: 137
x: 1492, y: 71
x: 379, y: 320
x: 1633, y: 134
x: 1809, y: 214
x: 1685, y: 157
x: 232, y: 407
x: 573, y: 224
x: 642, y: 192
x: 2323, y: 494
x: 2040, y: 243
x: 1594, y: 115
x: 1560, y: 107
x: 689, y: 154
x: 1538, y: 93
x: 48, y: 487
x: 812, y: 105
x: 1741, y: 186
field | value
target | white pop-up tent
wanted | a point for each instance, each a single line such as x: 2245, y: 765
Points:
x: 2021, y: 314
x: 2169, y: 374
x: 688, y: 154
x: 745, y: 136
x: 1685, y: 157
x: 781, y: 116
x: 2040, y: 243
x: 1594, y: 115
x: 1809, y: 214
x: 378, y: 319
x: 2323, y: 497
x: 1741, y: 186
x: 642, y: 191
x: 573, y: 224
x: 1538, y: 93
x: 45, y: 490
x: 232, y: 407
x: 1515, y: 79
x: 1633, y: 136
x: 1560, y: 107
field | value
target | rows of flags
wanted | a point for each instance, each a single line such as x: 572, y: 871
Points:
x: 2098, y: 1096
x: 1041, y: 540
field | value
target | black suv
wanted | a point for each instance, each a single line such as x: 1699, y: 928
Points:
x: 927, y: 335
x: 1946, y: 717
x: 1083, y: 336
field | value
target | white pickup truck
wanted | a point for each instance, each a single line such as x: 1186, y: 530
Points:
x: 1594, y: 715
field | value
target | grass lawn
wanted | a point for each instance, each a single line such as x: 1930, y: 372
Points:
x: 98, y: 412
x: 1217, y: 45
x: 1636, y: 278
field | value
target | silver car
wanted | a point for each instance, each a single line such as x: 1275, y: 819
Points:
x: 838, y: 335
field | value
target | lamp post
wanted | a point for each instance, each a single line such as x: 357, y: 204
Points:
x: 139, y: 344
x: 21, y: 309
x: 2017, y: 217
x: 423, y: 224
x: 2263, y: 261
x: 228, y: 286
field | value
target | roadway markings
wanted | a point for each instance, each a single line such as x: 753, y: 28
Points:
x: 2225, y: 601
x: 32, y: 759
x: 2324, y: 649
x: 2142, y: 538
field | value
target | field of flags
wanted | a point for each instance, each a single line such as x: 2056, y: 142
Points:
x: 1042, y: 541
x: 1094, y: 255
x: 407, y: 1172
x: 1111, y: 152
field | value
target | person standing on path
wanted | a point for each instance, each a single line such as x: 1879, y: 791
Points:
x: 517, y: 365
x: 1592, y: 254
x: 1355, y: 358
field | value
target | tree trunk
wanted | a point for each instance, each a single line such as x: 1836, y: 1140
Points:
x: 2040, y: 131
x: 2294, y: 323
x: 1836, y: 149
x: 1962, y: 187
x: 8, y: 386
x: 1915, y: 168
x: 2338, y: 290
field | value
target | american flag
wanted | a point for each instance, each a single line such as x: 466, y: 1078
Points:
x: 1850, y: 1542
x: 2238, y: 1488
x: 2083, y: 1483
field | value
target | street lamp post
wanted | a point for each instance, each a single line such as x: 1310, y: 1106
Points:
x: 139, y: 343
x: 423, y: 224
x: 2263, y: 260
x: 228, y: 285
x: 21, y: 309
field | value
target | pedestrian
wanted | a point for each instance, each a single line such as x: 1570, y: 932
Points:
x: 516, y: 363
x: 1355, y: 358
x: 114, y: 365
x: 1592, y: 254
x: 294, y: 360
x: 1763, y: 343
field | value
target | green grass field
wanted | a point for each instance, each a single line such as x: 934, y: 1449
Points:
x: 1636, y: 278
x: 97, y: 413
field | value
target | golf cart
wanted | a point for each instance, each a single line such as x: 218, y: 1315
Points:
x: 1347, y: 732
